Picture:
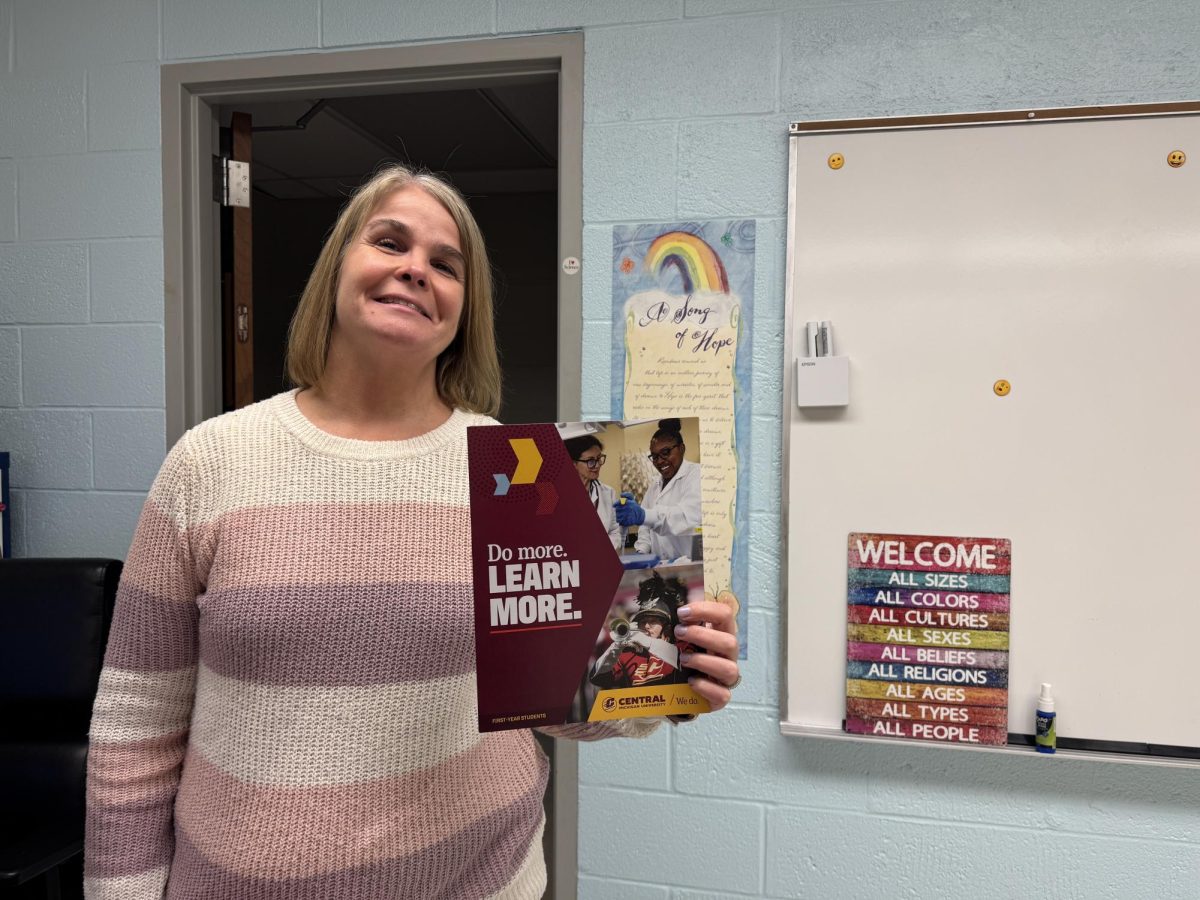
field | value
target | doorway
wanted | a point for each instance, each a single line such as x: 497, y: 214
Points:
x: 498, y: 144
x: 365, y: 91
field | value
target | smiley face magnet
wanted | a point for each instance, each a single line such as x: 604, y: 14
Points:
x: 836, y: 161
x: 1176, y: 158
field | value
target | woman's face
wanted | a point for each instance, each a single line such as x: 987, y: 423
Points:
x: 652, y: 626
x: 403, y: 278
x: 589, y: 463
x: 666, y: 454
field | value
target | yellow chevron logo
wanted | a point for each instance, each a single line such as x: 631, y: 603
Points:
x: 529, y: 461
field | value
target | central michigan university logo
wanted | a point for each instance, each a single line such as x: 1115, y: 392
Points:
x: 610, y: 703
x: 529, y: 464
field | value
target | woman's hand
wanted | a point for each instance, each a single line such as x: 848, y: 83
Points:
x: 628, y: 512
x: 711, y: 624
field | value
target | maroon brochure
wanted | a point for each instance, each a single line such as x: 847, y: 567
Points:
x: 572, y: 622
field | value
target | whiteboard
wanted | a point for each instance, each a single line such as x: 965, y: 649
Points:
x: 1057, y: 250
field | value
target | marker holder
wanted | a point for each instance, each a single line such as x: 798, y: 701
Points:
x: 822, y: 381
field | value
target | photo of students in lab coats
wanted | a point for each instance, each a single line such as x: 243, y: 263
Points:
x: 643, y: 480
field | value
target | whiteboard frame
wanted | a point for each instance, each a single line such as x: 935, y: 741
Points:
x: 901, y: 123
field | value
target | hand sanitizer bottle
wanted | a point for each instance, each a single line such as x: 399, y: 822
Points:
x: 1046, y: 730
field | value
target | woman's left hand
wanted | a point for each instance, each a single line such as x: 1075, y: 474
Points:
x: 710, y: 625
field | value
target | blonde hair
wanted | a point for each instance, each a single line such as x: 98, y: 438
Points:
x: 468, y: 371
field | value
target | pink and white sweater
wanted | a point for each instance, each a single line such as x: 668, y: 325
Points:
x: 287, y: 706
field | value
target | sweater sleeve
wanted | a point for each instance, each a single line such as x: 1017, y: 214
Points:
x: 143, y: 708
x: 598, y: 731
x: 642, y: 544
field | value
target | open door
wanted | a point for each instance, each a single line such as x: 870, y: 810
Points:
x: 237, y: 265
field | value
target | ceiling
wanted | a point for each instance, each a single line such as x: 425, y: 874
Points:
x: 496, y: 139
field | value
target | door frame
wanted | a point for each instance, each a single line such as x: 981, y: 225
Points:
x: 191, y: 93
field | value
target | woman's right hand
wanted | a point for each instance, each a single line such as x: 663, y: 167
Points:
x: 628, y: 511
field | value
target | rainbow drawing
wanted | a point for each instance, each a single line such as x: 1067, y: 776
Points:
x: 698, y: 264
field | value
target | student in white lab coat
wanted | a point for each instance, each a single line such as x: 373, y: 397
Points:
x: 669, y: 514
x: 587, y: 453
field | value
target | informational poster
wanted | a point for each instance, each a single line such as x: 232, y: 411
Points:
x: 927, y: 637
x: 682, y: 298
x: 570, y: 624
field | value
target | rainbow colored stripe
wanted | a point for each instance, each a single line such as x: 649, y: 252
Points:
x: 698, y: 264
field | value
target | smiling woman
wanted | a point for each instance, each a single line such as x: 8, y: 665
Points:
x: 399, y: 217
x: 669, y: 514
x: 397, y: 306
x: 287, y: 707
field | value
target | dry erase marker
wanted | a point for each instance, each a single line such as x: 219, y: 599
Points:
x: 1046, y: 736
x: 814, y: 329
x: 826, y: 342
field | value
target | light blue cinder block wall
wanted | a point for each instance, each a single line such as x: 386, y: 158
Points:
x: 687, y: 103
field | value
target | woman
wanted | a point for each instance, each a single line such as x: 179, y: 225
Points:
x: 587, y: 453
x: 287, y: 707
x: 669, y: 514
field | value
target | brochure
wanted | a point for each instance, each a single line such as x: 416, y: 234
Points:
x: 586, y: 540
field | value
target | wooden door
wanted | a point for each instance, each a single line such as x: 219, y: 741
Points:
x: 237, y: 272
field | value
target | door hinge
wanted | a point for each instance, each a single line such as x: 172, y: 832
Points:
x: 231, y: 181
x: 243, y: 323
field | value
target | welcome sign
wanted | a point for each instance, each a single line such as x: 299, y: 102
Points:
x: 927, y: 637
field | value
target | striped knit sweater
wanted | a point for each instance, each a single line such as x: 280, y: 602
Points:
x: 287, y: 707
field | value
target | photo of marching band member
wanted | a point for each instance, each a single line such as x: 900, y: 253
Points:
x: 637, y: 647
x: 643, y: 649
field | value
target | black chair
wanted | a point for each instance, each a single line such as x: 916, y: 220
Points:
x: 54, y: 621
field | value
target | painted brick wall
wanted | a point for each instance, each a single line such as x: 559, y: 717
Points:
x: 81, y: 308
x: 687, y: 103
